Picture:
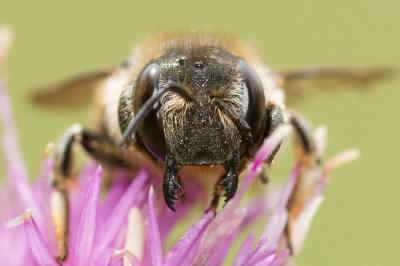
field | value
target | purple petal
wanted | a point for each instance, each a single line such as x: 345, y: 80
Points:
x: 87, y: 226
x: 252, y: 254
x: 117, y: 259
x: 266, y: 262
x: 170, y: 218
x: 134, y: 236
x: 10, y: 135
x: 112, y: 197
x: 119, y: 215
x: 187, y: 246
x: 6, y: 36
x: 275, y: 226
x: 262, y: 154
x: 335, y: 162
x: 39, y: 248
x: 228, y: 221
x: 220, y: 253
x: 244, y: 250
x: 18, y: 177
x: 255, y: 209
x: 77, y: 194
x: 280, y: 258
x: 302, y: 224
x: 17, y: 173
x: 277, y: 222
x: 41, y: 189
x: 10, y: 142
x: 153, y: 234
x: 219, y: 235
x: 262, y: 256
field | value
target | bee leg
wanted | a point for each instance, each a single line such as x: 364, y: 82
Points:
x: 274, y: 118
x: 264, y: 177
x: 60, y: 213
x: 230, y: 181
x: 305, y: 146
x: 218, y: 189
x: 308, y: 158
x: 171, y: 184
x: 99, y: 148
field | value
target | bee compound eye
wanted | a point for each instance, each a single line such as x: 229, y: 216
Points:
x: 256, y: 105
x: 150, y: 131
x: 146, y: 83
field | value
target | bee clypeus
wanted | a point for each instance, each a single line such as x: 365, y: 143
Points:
x: 185, y: 101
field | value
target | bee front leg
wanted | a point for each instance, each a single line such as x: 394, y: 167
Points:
x: 99, y: 148
x: 308, y: 159
x: 227, y: 184
x: 218, y: 189
x: 171, y: 184
x: 230, y: 181
x: 305, y: 146
x: 305, y: 152
x: 274, y: 119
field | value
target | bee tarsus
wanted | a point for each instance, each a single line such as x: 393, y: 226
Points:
x: 97, y: 147
x: 172, y: 188
x: 230, y: 181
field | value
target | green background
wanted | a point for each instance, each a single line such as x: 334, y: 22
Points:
x: 358, y: 224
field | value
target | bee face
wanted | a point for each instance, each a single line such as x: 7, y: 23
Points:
x: 192, y: 128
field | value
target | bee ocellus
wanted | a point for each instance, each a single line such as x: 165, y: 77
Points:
x: 184, y: 101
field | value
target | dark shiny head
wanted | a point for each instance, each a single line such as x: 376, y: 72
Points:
x: 188, y: 125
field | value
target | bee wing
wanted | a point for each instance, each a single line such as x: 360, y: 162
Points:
x: 73, y: 91
x: 295, y: 82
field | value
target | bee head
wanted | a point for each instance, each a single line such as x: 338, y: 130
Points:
x: 210, y: 95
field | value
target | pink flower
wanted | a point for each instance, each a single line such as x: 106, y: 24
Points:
x: 129, y: 225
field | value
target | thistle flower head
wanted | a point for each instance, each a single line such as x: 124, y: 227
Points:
x: 129, y: 223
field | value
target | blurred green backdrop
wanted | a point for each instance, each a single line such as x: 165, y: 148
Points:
x: 359, y: 222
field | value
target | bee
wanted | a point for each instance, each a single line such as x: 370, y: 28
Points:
x: 184, y: 104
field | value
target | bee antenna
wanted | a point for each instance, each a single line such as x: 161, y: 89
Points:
x: 148, y: 106
x: 239, y: 121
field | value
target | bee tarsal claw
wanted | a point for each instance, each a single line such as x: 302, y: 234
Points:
x: 171, y: 189
x: 230, y: 184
